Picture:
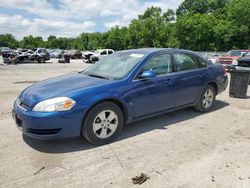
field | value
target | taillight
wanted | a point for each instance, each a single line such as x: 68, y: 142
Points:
x: 225, y: 71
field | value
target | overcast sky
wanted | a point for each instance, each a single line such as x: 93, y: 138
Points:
x: 68, y: 18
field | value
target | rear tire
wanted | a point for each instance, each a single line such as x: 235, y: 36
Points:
x: 103, y: 123
x: 206, y: 100
x: 41, y: 60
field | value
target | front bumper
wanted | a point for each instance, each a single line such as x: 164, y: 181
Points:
x: 47, y: 125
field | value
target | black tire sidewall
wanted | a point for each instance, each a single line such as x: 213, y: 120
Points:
x: 41, y: 60
x: 87, y: 127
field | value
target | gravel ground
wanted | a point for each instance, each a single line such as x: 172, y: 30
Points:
x: 180, y: 149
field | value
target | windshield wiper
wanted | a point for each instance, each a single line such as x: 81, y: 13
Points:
x: 98, y: 76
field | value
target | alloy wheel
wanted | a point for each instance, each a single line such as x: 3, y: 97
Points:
x: 208, y: 98
x: 105, y: 124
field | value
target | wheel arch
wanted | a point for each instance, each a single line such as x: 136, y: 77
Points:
x: 112, y: 100
x: 214, y: 84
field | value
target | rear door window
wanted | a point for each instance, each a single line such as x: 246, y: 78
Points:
x: 202, y: 63
x: 103, y: 52
x: 110, y: 52
x: 185, y: 62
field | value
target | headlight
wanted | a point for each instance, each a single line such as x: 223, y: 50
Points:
x: 235, y: 62
x: 55, y: 104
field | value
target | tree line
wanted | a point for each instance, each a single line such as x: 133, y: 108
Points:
x: 216, y: 25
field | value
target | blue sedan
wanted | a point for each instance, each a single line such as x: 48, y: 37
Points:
x: 124, y: 87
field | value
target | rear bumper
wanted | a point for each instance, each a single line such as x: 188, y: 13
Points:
x: 226, y: 66
x: 46, y: 126
x: 222, y: 83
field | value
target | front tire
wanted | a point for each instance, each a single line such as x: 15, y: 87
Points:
x: 103, y: 123
x: 206, y: 100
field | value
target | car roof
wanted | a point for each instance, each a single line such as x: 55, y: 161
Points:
x: 240, y: 50
x: 155, y: 50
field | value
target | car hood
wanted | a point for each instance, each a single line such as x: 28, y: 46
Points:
x: 59, y: 86
x: 247, y: 58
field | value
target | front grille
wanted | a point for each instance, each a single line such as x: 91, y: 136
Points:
x: 44, y: 131
x: 225, y: 61
x: 244, y: 63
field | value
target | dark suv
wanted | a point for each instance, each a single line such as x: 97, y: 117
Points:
x: 42, y: 55
x: 244, y: 61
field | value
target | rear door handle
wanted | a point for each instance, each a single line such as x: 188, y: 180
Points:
x: 201, y: 76
x: 169, y: 81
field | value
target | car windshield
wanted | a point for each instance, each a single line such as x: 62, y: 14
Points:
x: 115, y: 66
x: 247, y: 54
x: 234, y: 53
x: 99, y: 51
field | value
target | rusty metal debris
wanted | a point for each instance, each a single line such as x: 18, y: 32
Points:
x: 140, y: 179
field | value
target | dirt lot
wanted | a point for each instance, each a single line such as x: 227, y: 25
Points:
x: 181, y: 149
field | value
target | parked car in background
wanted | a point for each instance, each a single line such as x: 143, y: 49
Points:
x: 4, y: 50
x: 57, y: 53
x: 50, y: 51
x: 8, y: 57
x: 213, y: 57
x: 74, y: 54
x: 86, y: 56
x: 40, y: 55
x: 232, y: 55
x: 20, y: 51
x: 122, y: 88
x: 98, y: 54
x: 243, y: 62
x: 104, y: 52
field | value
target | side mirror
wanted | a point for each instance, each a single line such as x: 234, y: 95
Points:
x: 148, y: 74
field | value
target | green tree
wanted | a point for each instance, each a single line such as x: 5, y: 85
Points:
x: 8, y: 40
x: 196, y: 31
x: 201, y: 6
x: 116, y: 38
x: 32, y: 42
x: 52, y: 42
x: 238, y: 13
x: 150, y: 29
